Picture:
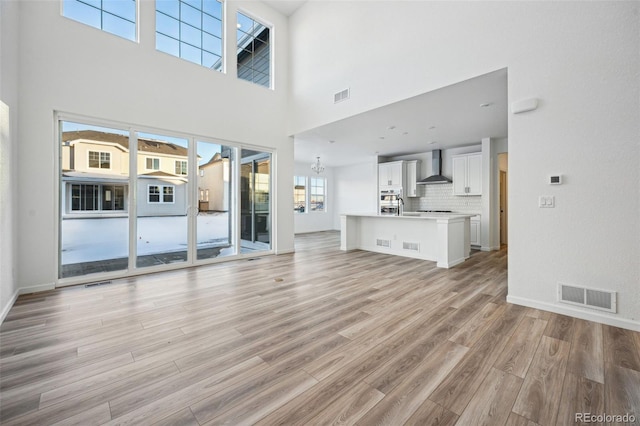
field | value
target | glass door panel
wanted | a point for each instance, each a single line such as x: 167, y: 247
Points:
x: 94, y: 191
x: 214, y: 230
x: 162, y: 200
x: 255, y: 203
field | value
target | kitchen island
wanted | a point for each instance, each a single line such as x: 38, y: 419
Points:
x: 439, y: 237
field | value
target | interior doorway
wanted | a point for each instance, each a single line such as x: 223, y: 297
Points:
x: 504, y: 190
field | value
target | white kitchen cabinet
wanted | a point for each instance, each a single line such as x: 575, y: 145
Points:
x: 391, y: 174
x: 467, y: 174
x: 412, y: 176
x: 474, y: 236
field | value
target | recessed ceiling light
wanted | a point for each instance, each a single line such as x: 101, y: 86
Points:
x: 484, y: 105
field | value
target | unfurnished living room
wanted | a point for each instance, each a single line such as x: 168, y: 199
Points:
x: 319, y: 212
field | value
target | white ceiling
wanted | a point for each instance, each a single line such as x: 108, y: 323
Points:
x: 286, y: 7
x: 444, y: 118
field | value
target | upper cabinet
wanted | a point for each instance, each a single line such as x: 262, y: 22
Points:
x: 412, y: 176
x: 391, y: 174
x: 467, y: 174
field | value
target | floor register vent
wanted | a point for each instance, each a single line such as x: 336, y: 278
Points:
x: 383, y: 243
x: 411, y: 246
x: 589, y: 298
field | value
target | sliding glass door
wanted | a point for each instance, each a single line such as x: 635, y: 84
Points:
x: 162, y: 200
x: 214, y: 223
x: 255, y: 201
x: 94, y: 207
x: 132, y: 200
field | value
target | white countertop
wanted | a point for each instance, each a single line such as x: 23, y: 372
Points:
x: 414, y: 215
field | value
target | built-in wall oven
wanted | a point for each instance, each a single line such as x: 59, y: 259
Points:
x: 390, y: 201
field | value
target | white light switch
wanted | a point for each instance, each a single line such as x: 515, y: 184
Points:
x: 546, y: 201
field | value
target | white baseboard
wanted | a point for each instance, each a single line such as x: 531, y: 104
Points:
x: 286, y: 251
x: 21, y: 291
x: 576, y: 313
x: 37, y: 288
x: 7, y: 308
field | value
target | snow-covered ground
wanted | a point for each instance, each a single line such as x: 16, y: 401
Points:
x: 86, y: 240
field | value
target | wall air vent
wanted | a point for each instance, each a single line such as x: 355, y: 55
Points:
x: 587, y: 297
x: 341, y: 96
x: 411, y: 246
x: 383, y: 243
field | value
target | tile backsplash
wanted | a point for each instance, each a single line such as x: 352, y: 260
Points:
x: 440, y: 197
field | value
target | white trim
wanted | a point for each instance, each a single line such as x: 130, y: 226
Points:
x: 9, y: 305
x: 576, y: 313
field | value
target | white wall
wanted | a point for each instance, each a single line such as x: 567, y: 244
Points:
x: 356, y: 189
x: 581, y: 59
x: 315, y: 221
x: 70, y: 67
x: 9, y: 13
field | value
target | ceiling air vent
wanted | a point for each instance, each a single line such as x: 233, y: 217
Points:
x: 341, y: 96
x: 589, y: 298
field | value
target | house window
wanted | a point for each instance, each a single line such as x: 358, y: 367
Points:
x: 181, y: 167
x: 317, y: 194
x: 84, y: 197
x: 254, y: 63
x: 88, y: 197
x: 153, y: 163
x: 99, y: 160
x: 113, y: 16
x: 160, y: 194
x: 191, y: 30
x: 299, y: 194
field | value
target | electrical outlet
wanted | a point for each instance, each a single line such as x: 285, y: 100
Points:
x: 546, y: 201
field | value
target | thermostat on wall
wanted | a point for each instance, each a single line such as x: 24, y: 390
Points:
x: 555, y: 180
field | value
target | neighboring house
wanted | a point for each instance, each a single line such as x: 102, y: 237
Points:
x: 95, y: 177
x: 214, y: 184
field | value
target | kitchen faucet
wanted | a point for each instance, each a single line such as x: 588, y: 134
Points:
x: 400, y: 200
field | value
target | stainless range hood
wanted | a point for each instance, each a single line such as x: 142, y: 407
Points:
x: 436, y: 162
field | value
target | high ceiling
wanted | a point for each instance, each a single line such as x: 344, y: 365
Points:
x: 457, y: 115
x: 286, y: 7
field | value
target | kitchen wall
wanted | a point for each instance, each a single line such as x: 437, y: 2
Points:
x: 70, y: 67
x: 9, y: 17
x: 440, y: 196
x: 580, y: 59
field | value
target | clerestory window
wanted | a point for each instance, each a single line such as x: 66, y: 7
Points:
x: 191, y: 30
x: 254, y: 51
x: 113, y: 16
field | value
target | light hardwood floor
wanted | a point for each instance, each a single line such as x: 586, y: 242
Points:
x: 316, y: 337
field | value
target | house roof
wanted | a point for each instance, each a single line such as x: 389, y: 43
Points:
x: 146, y: 145
x: 217, y: 157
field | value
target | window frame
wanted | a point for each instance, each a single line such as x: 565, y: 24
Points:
x: 184, y: 168
x: 161, y: 194
x: 304, y: 203
x: 64, y: 11
x: 100, y: 160
x: 239, y: 47
x: 323, y: 195
x: 184, y: 26
x: 153, y: 161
